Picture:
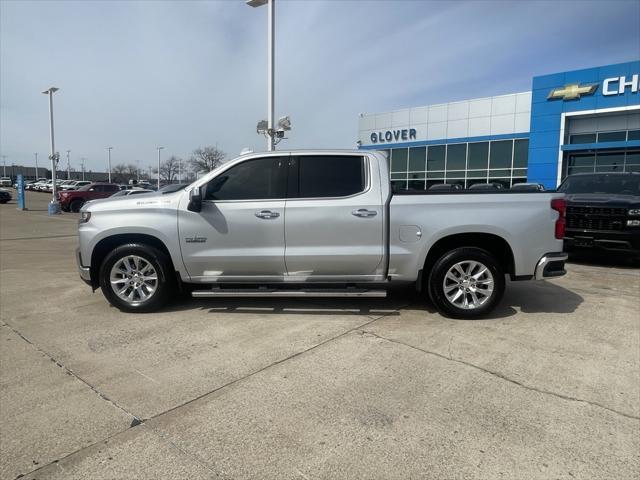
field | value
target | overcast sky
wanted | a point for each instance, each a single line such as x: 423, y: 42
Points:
x: 184, y: 74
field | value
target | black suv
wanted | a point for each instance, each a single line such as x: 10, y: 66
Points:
x: 603, y: 212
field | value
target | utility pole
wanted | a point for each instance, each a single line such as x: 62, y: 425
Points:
x: 36, y: 154
x: 109, y: 160
x: 82, y: 165
x: 159, y: 148
x: 68, y: 165
x: 54, y: 206
x: 4, y: 165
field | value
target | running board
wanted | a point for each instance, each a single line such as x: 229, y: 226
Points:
x: 276, y: 293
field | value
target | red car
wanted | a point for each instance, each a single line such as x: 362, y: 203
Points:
x: 73, y: 200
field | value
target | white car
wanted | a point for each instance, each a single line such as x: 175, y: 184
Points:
x: 5, y: 182
x: 74, y: 185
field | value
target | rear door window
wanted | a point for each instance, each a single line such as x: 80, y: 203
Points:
x: 329, y: 176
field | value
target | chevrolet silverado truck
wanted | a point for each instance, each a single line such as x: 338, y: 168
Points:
x: 73, y: 200
x: 318, y: 224
x: 603, y: 212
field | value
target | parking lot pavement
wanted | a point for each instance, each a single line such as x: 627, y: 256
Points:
x: 546, y: 388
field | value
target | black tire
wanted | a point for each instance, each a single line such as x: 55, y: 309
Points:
x: 436, y: 281
x: 76, y: 205
x: 165, y: 285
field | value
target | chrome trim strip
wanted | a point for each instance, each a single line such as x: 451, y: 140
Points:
x: 285, y: 293
x: 85, y: 272
x: 545, y: 260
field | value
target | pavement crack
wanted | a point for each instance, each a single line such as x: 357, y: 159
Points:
x: 508, y: 379
x: 73, y: 374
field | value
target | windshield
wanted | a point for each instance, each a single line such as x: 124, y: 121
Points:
x: 603, y: 184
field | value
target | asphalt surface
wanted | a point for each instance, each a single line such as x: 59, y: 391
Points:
x: 549, y: 387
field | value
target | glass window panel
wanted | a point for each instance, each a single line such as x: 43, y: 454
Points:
x: 501, y: 154
x: 262, y: 178
x: 330, y: 176
x: 583, y: 138
x: 399, y: 176
x: 417, y: 159
x: 520, y: 153
x: 478, y: 155
x: 399, y: 160
x: 454, y: 175
x: 439, y: 174
x: 417, y: 175
x: 611, y: 162
x: 416, y: 185
x: 573, y: 170
x: 633, y: 158
x: 457, y: 156
x: 435, y: 157
x: 477, y: 174
x: 582, y: 160
x: 632, y: 168
x: 612, y: 136
x: 397, y: 185
x: 500, y: 173
x: 519, y: 172
x: 633, y: 135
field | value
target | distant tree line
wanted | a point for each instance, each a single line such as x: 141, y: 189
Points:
x: 172, y: 169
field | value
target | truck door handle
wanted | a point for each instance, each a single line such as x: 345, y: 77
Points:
x: 267, y: 214
x: 363, y: 212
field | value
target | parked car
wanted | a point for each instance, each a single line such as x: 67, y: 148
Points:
x: 73, y: 200
x: 74, y: 185
x: 130, y: 191
x: 5, y: 195
x: 487, y: 186
x: 344, y: 227
x: 527, y: 187
x: 5, y: 181
x: 173, y: 187
x: 32, y: 184
x: 603, y: 212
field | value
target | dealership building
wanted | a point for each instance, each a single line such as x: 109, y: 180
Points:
x: 569, y: 122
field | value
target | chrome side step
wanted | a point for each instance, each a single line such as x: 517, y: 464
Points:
x: 277, y: 293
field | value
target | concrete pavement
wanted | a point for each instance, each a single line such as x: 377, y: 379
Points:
x: 546, y: 388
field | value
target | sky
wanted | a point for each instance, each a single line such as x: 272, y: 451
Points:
x: 186, y: 74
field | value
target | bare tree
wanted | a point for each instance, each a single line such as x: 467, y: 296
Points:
x: 169, y: 169
x: 119, y: 172
x: 132, y: 170
x: 206, y: 159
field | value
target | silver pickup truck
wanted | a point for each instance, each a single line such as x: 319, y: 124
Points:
x: 317, y: 223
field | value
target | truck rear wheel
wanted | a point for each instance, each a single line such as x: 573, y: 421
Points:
x: 466, y: 282
x: 136, y: 278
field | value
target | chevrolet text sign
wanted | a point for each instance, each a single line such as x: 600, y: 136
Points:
x: 618, y: 85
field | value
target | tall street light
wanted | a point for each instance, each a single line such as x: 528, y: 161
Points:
x: 159, y: 148
x: 36, y: 155
x: 4, y: 165
x: 54, y: 206
x: 271, y: 20
x: 68, y: 165
x: 82, y: 164
x: 109, y: 160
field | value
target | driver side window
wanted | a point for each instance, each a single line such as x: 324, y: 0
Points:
x: 259, y: 179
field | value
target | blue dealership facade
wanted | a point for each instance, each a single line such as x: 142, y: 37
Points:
x: 570, y: 122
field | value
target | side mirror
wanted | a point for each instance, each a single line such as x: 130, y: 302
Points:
x: 195, y: 200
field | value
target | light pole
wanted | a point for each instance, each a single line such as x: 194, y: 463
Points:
x: 36, y: 154
x: 109, y: 160
x: 68, y: 165
x: 54, y: 206
x: 159, y: 148
x: 4, y: 165
x: 271, y: 20
x: 82, y: 165
x: 179, y: 169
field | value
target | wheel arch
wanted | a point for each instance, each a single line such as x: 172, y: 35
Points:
x: 492, y: 243
x: 108, y: 244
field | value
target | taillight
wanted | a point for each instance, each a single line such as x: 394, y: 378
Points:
x: 560, y: 206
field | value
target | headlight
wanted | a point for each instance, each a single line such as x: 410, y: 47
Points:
x: 84, y: 217
x: 634, y: 212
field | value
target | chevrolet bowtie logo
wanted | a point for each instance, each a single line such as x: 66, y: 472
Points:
x: 572, y: 91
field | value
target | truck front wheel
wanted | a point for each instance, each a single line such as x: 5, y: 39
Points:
x: 466, y: 282
x: 136, y: 278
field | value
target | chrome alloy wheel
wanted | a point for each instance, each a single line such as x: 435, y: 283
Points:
x: 133, y: 279
x: 468, y: 284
